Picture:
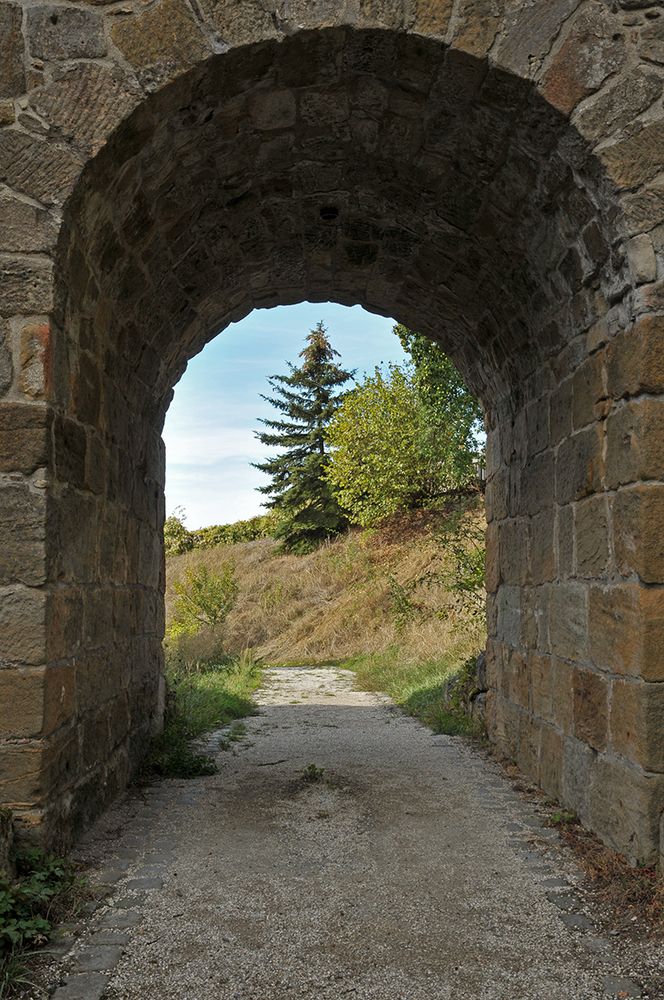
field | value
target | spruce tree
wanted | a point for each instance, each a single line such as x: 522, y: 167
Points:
x: 307, y: 398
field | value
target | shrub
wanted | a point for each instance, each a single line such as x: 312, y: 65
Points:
x: 204, y: 599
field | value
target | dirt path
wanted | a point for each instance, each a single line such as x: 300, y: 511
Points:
x: 410, y: 872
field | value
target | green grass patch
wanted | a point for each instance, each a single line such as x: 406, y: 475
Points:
x: 420, y: 688
x: 201, y: 697
x: 44, y: 891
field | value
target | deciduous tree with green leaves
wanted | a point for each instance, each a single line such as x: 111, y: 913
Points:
x: 377, y: 465
x: 307, y: 399
x: 451, y: 418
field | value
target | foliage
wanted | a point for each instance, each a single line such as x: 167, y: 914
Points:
x: 451, y: 417
x: 306, y: 400
x: 458, y: 572
x: 463, y: 537
x: 200, y: 697
x: 178, y: 539
x: 377, y: 465
x: 45, y: 889
x: 422, y: 688
x: 312, y: 774
x: 203, y: 599
x: 262, y: 526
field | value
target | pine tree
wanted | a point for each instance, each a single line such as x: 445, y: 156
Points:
x: 307, y: 398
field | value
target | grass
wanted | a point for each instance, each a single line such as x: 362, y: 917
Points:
x: 420, y: 687
x: 201, y: 697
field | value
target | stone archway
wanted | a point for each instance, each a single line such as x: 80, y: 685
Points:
x: 482, y: 171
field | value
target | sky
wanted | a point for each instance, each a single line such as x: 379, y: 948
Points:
x: 210, y: 425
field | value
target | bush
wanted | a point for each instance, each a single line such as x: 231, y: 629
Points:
x: 177, y: 539
x: 204, y: 599
x: 45, y: 889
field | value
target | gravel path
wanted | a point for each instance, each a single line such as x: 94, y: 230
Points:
x: 411, y: 871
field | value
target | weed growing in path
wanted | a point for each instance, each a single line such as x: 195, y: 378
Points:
x: 312, y: 773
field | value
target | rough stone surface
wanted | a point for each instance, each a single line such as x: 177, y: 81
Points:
x: 486, y: 173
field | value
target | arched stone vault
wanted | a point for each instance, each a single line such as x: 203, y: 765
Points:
x: 487, y: 172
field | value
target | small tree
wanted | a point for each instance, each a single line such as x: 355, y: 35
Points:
x: 204, y: 599
x: 307, y: 398
x: 451, y: 419
x: 378, y: 466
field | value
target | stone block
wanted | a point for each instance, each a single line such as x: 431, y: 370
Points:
x: 642, y: 260
x: 22, y: 768
x: 508, y: 602
x: 537, y: 483
x: 560, y: 410
x: 578, y: 763
x: 22, y: 626
x: 562, y: 695
x: 635, y: 359
x: 542, y: 548
x: 638, y: 540
x: 636, y: 158
x: 35, y: 702
x: 24, y: 437
x: 300, y: 13
x: 12, y: 72
x: 517, y: 674
x: 23, y: 528
x: 592, y: 50
x: 626, y: 626
x: 625, y: 806
x: 587, y: 391
x: 636, y: 722
x: 568, y: 620
x: 565, y: 541
x: 160, y: 42
x: 273, y: 110
x: 619, y: 105
x: 550, y: 771
x: 579, y: 465
x: 635, y: 442
x: 591, y: 523
x: 25, y: 228
x: 541, y: 686
x: 85, y: 102
x: 591, y: 707
x: 70, y: 451
x: 513, y: 543
x: 476, y: 26
x: 25, y: 285
x: 528, y: 35
x: 430, y: 17
x: 37, y: 168
x: 56, y: 32
x: 36, y: 360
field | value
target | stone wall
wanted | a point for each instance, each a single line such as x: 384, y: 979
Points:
x: 487, y: 172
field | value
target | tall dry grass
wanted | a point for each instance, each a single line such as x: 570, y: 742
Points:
x: 337, y: 602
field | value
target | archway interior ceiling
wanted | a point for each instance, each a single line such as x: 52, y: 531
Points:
x: 464, y: 206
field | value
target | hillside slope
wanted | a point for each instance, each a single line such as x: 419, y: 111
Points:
x: 356, y: 596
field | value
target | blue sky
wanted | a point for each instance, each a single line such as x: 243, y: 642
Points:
x: 210, y: 425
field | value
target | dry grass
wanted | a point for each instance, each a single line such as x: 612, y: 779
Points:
x: 335, y: 603
x: 631, y: 897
